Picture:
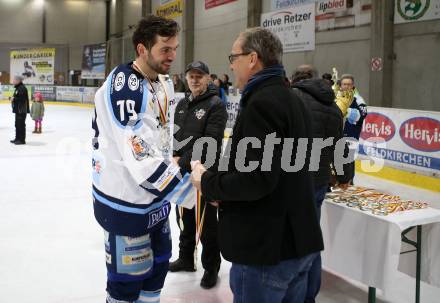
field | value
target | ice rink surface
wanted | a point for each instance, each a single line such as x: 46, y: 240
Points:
x: 51, y: 248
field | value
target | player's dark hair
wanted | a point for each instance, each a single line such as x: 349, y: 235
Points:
x: 149, y: 27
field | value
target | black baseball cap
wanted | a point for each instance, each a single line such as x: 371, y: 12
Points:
x: 198, y: 65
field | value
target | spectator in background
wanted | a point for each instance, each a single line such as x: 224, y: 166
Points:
x: 20, y: 107
x: 200, y: 114
x: 37, y: 112
x: 327, y: 122
x: 226, y: 83
x: 179, y: 86
x: 328, y: 77
x: 221, y: 92
x: 211, y: 85
x: 213, y: 77
x: 356, y: 112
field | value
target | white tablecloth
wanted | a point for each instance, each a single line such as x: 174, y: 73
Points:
x: 366, y: 247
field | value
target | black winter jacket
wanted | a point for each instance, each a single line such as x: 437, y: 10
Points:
x: 204, y: 116
x: 266, y: 215
x: 327, y: 122
x: 20, y: 104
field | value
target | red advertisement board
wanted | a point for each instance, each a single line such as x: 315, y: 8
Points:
x: 213, y: 3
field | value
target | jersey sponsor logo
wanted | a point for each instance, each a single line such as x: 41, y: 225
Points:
x: 200, y: 113
x: 140, y: 148
x: 136, y: 259
x: 119, y: 81
x: 136, y: 240
x: 166, y: 177
x: 158, y: 215
x: 133, y: 82
x: 378, y: 125
x: 421, y: 133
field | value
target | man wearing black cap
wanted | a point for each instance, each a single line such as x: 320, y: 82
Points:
x: 20, y: 107
x: 200, y: 114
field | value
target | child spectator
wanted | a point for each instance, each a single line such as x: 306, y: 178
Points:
x: 37, y: 112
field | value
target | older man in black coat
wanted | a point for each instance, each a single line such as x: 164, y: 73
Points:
x: 20, y: 107
x: 268, y: 226
x: 201, y: 114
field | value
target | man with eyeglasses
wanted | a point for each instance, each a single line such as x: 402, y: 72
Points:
x: 268, y: 225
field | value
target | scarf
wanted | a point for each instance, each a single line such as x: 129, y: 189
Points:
x: 264, y: 74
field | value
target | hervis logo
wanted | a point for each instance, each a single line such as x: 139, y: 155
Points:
x: 412, y: 9
x: 378, y: 125
x: 421, y: 133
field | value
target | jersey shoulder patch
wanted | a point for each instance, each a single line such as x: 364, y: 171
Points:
x: 125, y: 94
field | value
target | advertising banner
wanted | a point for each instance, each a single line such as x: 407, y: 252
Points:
x: 213, y: 3
x: 93, y: 61
x: 232, y: 107
x: 88, y: 94
x: 330, y: 6
x: 170, y: 10
x: 294, y: 26
x: 416, y: 10
x: 36, y: 65
x: 69, y: 93
x: 410, y: 138
x: 7, y: 91
x: 280, y: 4
x: 48, y: 91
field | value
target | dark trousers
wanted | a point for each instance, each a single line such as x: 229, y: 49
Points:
x: 314, y: 276
x: 187, y: 239
x: 20, y: 127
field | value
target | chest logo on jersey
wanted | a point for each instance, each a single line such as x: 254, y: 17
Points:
x: 200, y: 113
x: 140, y: 148
x: 133, y: 82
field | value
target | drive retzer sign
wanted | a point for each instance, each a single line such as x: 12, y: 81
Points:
x: 36, y: 65
x: 294, y: 26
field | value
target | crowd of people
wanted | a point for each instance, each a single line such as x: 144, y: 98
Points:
x: 257, y: 214
x: 242, y: 204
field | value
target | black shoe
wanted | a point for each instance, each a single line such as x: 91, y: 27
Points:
x: 209, y: 279
x: 182, y: 265
x: 17, y: 142
x: 13, y: 141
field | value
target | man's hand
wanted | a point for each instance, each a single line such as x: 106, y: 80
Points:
x: 196, y: 175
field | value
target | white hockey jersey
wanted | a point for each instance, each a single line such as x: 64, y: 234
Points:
x: 134, y: 179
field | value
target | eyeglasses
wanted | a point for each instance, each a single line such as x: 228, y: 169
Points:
x: 232, y: 57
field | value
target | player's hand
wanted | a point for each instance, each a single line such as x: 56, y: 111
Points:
x: 196, y: 175
x: 176, y: 160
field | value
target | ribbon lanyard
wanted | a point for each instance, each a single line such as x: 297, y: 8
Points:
x: 200, y: 217
x: 162, y: 112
